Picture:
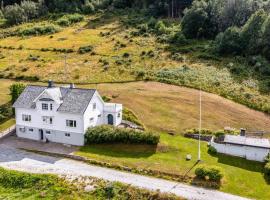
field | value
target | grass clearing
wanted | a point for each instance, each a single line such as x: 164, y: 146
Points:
x: 7, y: 124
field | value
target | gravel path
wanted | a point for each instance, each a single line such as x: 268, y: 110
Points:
x: 15, y: 159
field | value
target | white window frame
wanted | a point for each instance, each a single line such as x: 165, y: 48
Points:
x: 71, y: 123
x: 51, y: 106
x: 119, y: 115
x: 48, y: 132
x: 31, y: 129
x: 44, y: 106
x: 94, y: 106
x: 47, y: 120
x: 26, y: 118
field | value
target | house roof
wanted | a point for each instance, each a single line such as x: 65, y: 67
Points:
x: 247, y: 141
x: 72, y: 100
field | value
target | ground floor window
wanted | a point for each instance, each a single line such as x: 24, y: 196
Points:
x: 48, y: 132
x: 31, y: 130
x: 67, y: 134
x: 22, y: 129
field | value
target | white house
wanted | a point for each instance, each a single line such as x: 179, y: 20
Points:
x: 247, y: 147
x: 62, y: 114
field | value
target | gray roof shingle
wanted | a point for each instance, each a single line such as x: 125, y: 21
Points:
x: 75, y: 100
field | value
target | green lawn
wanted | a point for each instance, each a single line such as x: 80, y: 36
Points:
x: 169, y: 156
x: 7, y: 124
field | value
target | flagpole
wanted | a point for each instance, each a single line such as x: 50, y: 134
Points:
x: 200, y: 126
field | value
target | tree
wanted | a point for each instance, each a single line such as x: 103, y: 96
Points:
x: 251, y: 35
x: 30, y: 9
x: 229, y: 42
x: 14, y: 14
x: 15, y: 91
x: 266, y: 39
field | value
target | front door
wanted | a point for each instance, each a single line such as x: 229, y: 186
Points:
x: 110, y: 119
x: 41, y: 134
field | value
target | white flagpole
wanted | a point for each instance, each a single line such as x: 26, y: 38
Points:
x: 200, y: 126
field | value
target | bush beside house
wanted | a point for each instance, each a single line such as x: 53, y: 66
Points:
x: 109, y: 134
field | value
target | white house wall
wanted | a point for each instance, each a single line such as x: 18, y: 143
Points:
x: 90, y: 113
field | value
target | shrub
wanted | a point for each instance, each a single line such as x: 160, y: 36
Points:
x: 39, y: 30
x: 212, y: 150
x: 88, y: 8
x: 109, y: 134
x: 267, y: 169
x: 85, y: 49
x: 130, y: 116
x: 211, y: 173
x: 67, y: 20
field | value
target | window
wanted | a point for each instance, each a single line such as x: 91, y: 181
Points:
x: 94, y: 106
x: 51, y: 106
x: 31, y: 130
x: 48, y: 132
x: 119, y: 115
x: 22, y: 130
x: 91, y: 119
x: 67, y: 134
x: 99, y: 115
x: 71, y: 123
x: 26, y: 118
x: 44, y: 106
x: 47, y: 120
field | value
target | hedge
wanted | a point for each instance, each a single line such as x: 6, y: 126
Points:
x: 211, y: 173
x: 110, y: 134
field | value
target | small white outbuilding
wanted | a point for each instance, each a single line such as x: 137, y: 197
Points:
x: 247, y: 147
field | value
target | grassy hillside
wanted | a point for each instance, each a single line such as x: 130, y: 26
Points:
x: 110, y: 48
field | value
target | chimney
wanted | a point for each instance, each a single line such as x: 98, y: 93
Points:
x: 242, y: 132
x: 50, y: 84
x: 71, y: 86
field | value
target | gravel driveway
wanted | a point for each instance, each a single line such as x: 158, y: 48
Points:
x: 15, y: 159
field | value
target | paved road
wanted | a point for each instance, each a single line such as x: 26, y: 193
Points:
x: 15, y: 159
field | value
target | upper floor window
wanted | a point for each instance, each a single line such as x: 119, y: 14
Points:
x: 47, y: 120
x: 71, y: 123
x: 51, y: 106
x: 94, y: 106
x: 26, y: 118
x: 44, y: 106
x: 91, y: 119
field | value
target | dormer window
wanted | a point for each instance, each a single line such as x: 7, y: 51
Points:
x: 44, y: 106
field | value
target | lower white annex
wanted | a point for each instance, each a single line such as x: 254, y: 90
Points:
x: 62, y: 114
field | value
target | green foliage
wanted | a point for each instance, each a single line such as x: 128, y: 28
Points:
x: 85, y: 49
x: 67, y: 20
x: 251, y: 34
x: 267, y: 169
x: 39, y: 30
x: 229, y: 42
x: 27, y: 10
x: 109, y: 134
x: 212, y: 173
x: 88, y: 8
x: 212, y: 150
x: 15, y: 91
x: 198, y: 21
x: 130, y: 116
